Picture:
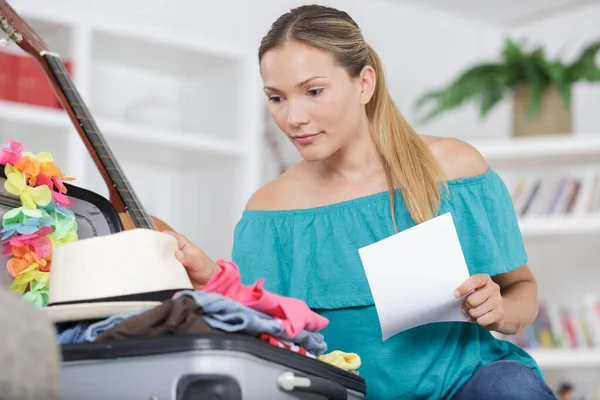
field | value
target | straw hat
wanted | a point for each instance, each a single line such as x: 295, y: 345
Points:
x: 106, y: 275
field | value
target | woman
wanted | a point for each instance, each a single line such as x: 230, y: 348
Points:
x: 361, y: 160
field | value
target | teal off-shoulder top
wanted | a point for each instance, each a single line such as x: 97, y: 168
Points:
x: 312, y: 254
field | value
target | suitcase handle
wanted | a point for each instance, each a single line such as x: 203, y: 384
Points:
x: 291, y: 382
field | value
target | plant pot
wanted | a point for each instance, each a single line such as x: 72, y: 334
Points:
x: 552, y: 117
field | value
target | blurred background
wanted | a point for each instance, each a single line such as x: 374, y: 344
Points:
x: 175, y: 89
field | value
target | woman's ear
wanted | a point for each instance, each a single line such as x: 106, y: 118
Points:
x: 368, y: 80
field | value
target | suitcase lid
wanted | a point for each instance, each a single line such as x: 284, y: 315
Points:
x: 95, y: 216
x: 112, y: 349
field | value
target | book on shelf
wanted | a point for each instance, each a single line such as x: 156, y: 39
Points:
x: 558, y: 327
x: 23, y: 80
x: 560, y: 194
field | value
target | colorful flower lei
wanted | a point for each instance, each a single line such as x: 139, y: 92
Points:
x: 43, y: 222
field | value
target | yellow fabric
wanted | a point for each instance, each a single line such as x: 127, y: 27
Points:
x: 348, y: 361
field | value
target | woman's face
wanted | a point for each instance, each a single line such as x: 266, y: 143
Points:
x: 313, y: 99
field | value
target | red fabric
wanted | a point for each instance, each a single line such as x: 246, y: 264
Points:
x: 294, y: 313
x: 284, y: 345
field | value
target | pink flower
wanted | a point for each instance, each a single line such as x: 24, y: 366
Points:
x: 59, y: 198
x: 11, y: 152
x: 38, y: 241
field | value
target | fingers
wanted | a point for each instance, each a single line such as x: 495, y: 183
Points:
x: 485, y: 304
x: 479, y: 297
x: 181, y: 239
x: 185, y: 245
x: 188, y: 253
x: 473, y: 283
x: 485, y: 307
x: 200, y: 268
x: 491, y: 318
x: 182, y: 245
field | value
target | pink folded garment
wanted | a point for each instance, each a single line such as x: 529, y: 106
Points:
x: 294, y: 313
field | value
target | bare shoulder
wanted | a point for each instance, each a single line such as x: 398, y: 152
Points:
x: 277, y: 194
x: 457, y: 159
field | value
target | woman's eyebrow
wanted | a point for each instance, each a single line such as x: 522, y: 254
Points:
x: 304, y: 82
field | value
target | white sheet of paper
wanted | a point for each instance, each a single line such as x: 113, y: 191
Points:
x: 413, y: 275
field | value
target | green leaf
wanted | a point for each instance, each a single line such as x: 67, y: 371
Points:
x: 488, y: 83
x: 537, y: 86
x: 489, y: 99
x: 513, y: 52
x: 565, y: 94
x: 585, y: 67
x: 558, y: 73
x: 466, y: 88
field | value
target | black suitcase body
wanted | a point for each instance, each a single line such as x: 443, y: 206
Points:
x: 213, y: 366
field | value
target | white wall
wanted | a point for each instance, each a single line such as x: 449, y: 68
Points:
x: 565, y: 36
x: 421, y: 48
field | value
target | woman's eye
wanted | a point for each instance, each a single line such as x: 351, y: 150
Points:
x: 315, y: 92
x: 275, y: 99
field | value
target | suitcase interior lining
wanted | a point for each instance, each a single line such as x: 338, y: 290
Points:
x: 92, y: 210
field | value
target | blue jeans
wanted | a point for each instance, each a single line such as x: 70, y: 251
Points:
x: 504, y: 380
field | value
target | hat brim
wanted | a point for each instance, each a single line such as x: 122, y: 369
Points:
x: 88, y: 311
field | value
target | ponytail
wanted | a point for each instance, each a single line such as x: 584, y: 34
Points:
x: 409, y: 165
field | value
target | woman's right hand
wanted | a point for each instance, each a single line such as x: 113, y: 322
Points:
x: 199, y: 266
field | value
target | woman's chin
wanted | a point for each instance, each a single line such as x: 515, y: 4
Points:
x: 313, y: 154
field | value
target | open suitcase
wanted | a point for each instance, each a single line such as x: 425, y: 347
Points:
x: 95, y: 216
x: 225, y: 366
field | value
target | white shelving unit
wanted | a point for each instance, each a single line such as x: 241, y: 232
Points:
x: 533, y: 150
x: 566, y: 358
x: 182, y: 114
x: 563, y: 248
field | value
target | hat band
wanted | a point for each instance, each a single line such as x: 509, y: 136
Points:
x: 147, y: 296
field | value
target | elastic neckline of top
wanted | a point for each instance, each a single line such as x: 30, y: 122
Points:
x: 360, y: 200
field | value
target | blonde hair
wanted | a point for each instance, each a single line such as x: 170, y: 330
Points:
x: 408, y: 163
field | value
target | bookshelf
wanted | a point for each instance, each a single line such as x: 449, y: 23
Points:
x: 182, y: 114
x: 533, y: 150
x: 554, y: 184
x: 566, y: 358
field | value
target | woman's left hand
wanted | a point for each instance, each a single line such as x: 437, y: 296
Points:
x: 484, y: 303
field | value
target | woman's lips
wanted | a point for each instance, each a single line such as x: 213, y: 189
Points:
x: 307, y: 138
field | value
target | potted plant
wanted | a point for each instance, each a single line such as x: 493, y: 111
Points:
x: 541, y: 88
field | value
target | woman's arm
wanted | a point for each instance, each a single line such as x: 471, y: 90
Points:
x: 507, y: 302
x: 519, y: 294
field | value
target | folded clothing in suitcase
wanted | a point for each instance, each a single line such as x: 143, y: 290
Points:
x: 212, y: 366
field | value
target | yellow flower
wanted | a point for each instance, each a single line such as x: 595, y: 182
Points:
x: 31, y: 197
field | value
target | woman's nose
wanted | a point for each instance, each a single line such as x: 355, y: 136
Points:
x: 296, y: 116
